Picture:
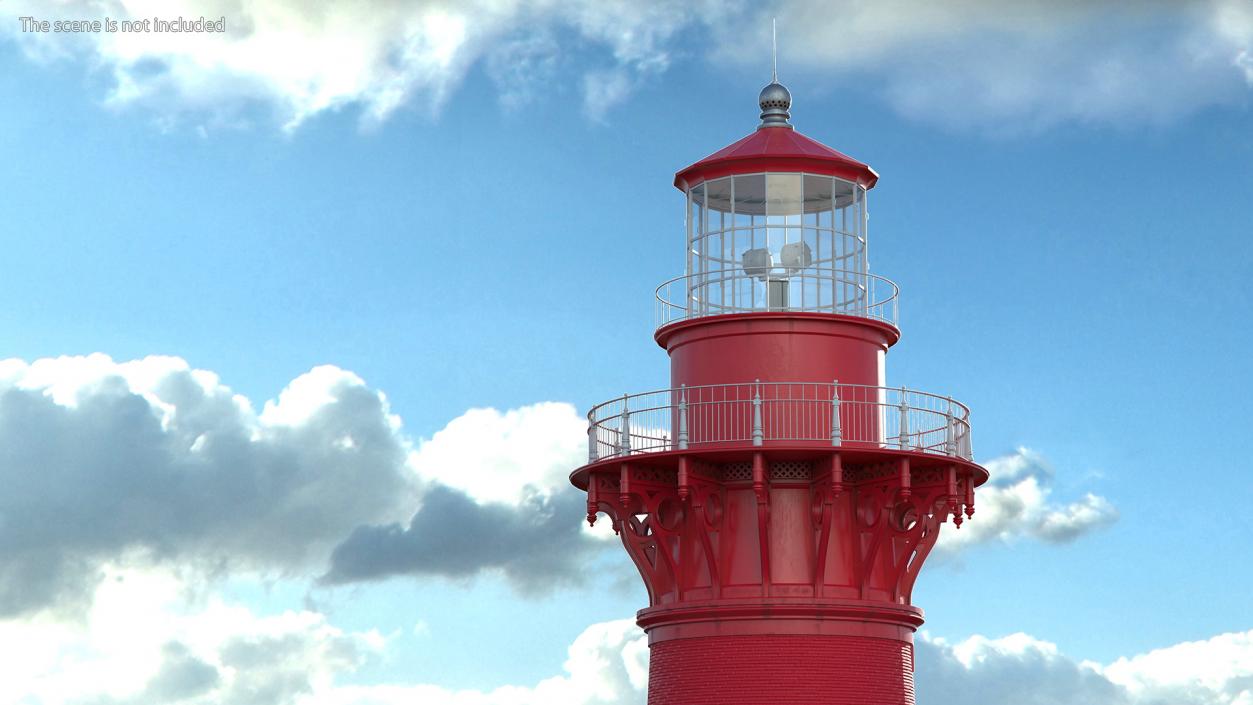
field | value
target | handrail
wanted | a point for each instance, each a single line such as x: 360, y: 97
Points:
x: 777, y: 288
x: 759, y: 413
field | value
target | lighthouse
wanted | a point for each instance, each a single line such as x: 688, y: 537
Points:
x: 778, y: 497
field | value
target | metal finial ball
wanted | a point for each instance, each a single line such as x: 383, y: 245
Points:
x: 775, y: 96
x: 775, y: 101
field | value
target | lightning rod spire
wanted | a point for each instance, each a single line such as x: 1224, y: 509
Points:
x: 774, y: 50
x: 775, y: 100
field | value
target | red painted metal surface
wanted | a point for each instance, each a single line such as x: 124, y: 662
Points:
x: 777, y: 347
x: 778, y: 149
x: 779, y: 572
x: 780, y: 523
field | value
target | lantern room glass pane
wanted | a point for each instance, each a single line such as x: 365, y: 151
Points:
x: 719, y: 194
x: 818, y: 193
x: 750, y: 194
x: 783, y: 194
x: 777, y: 241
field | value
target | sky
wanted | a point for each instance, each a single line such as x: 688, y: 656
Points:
x: 301, y: 320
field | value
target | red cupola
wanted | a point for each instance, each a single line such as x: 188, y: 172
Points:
x: 778, y: 497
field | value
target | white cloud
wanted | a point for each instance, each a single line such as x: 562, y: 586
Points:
x: 152, y: 461
x: 1016, y: 502
x: 1232, y: 23
x: 604, y: 90
x: 152, y: 638
x: 606, y: 665
x: 524, y: 68
x: 980, y: 64
x: 983, y: 671
x: 304, y: 58
x: 1010, y: 68
x: 1220, y: 668
x: 145, y: 641
x: 497, y: 497
x: 496, y: 456
x: 149, y: 639
x: 516, y: 455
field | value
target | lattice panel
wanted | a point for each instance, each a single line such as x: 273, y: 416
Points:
x: 652, y: 475
x: 737, y: 472
x: 791, y: 470
x: 867, y: 473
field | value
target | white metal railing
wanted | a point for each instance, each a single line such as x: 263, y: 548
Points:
x: 777, y: 289
x: 757, y: 413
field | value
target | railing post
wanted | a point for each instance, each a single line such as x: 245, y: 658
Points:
x: 837, y: 433
x: 624, y: 430
x: 682, y: 417
x: 592, y: 454
x: 950, y: 431
x: 903, y: 441
x: 758, y: 435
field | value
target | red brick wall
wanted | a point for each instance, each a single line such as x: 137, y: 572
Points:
x: 780, y: 669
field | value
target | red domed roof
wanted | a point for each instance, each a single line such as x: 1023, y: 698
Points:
x: 776, y: 149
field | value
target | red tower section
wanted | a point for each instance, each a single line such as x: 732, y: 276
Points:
x: 777, y: 498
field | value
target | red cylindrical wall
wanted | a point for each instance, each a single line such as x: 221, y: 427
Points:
x: 781, y: 652
x: 772, y: 347
x: 777, y: 347
x: 781, y: 669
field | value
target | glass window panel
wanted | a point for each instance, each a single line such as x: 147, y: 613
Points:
x: 783, y: 194
x: 695, y: 197
x: 719, y: 194
x: 818, y: 193
x: 695, y: 224
x: 783, y: 218
x: 843, y: 192
x: 750, y: 194
x: 750, y: 210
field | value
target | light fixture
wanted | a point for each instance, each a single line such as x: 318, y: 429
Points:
x: 796, y: 256
x: 757, y: 262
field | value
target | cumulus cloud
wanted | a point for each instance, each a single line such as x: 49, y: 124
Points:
x: 1017, y: 502
x: 504, y: 457
x: 151, y: 462
x: 145, y: 641
x: 1020, y: 668
x: 962, y: 63
x: 536, y: 545
x: 159, y: 462
x: 1016, y: 668
x: 606, y: 665
x: 300, y: 58
x: 497, y: 499
x: 1011, y: 68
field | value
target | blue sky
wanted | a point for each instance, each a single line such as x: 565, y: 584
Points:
x: 407, y: 248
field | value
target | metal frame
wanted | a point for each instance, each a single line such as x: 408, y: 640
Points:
x: 812, y: 289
